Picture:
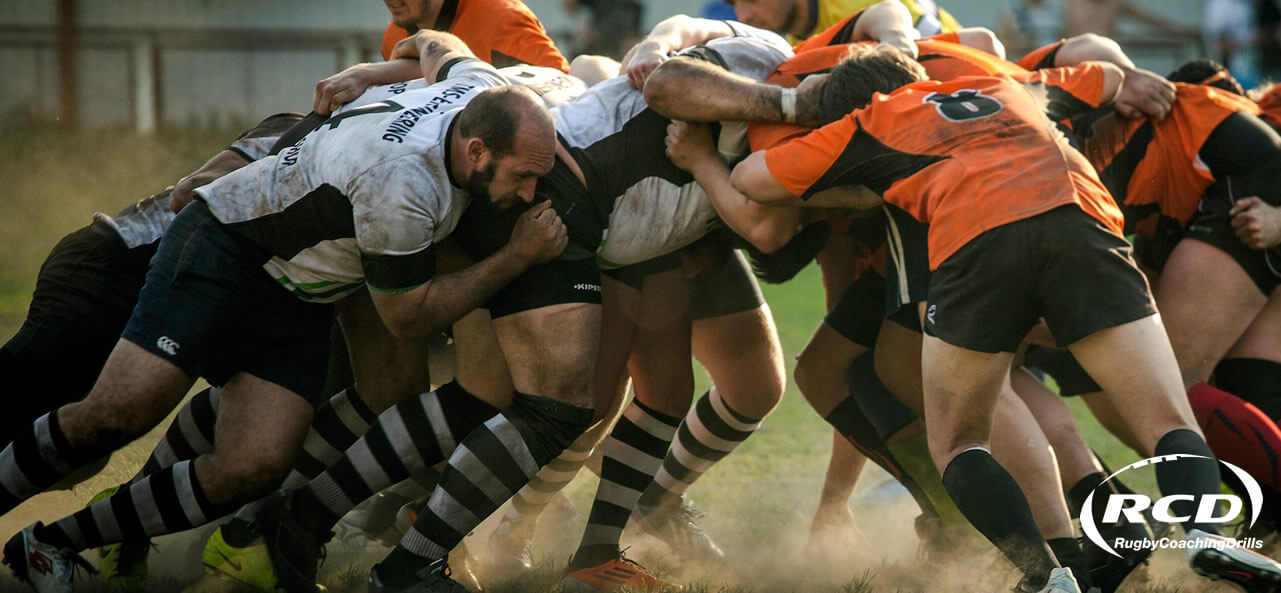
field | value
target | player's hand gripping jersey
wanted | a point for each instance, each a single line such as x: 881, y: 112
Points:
x: 964, y: 156
x: 1154, y: 170
x: 363, y: 198
x: 652, y: 207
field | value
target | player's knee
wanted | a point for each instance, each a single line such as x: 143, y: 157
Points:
x: 256, y: 475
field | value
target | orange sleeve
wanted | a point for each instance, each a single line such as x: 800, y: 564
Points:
x: 391, y: 37
x: 801, y: 163
x: 1072, y: 89
x: 838, y: 34
x: 1041, y: 58
x: 952, y: 37
x: 519, y: 35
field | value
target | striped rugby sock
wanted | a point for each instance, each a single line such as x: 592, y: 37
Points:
x: 407, y: 439
x: 634, y: 451
x: 489, y: 466
x: 711, y: 430
x: 167, y: 501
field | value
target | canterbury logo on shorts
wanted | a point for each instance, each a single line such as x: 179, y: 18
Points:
x: 167, y: 345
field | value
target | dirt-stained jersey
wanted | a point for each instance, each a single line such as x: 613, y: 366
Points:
x: 144, y: 222
x: 653, y: 207
x: 361, y: 199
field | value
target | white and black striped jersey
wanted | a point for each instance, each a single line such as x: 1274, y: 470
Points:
x: 361, y: 199
x: 145, y: 221
x: 652, y: 207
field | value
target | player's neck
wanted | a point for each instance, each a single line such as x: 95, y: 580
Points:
x: 431, y: 14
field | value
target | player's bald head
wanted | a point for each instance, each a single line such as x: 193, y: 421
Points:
x: 502, y: 116
x: 865, y: 71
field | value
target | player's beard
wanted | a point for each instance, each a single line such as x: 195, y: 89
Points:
x: 477, y: 184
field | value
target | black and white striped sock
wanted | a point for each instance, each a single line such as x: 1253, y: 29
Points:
x: 489, y: 466
x: 634, y: 451
x: 709, y: 432
x: 407, y: 439
x: 529, y: 502
x: 337, y: 424
x: 189, y: 436
x: 36, y: 460
x: 167, y: 501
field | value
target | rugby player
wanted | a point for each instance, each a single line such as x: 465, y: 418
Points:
x: 968, y: 348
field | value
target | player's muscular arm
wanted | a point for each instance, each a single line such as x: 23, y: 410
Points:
x: 433, y: 49
x: 752, y: 178
x: 539, y: 236
x: 768, y: 228
x: 221, y: 164
x: 689, y: 89
x: 1091, y: 47
x: 888, y: 22
x: 342, y: 88
x: 672, y: 34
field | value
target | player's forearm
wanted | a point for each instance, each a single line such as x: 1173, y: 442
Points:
x: 447, y: 298
x: 690, y: 90
x: 888, y: 21
x: 681, y: 31
x: 767, y: 228
x: 1091, y: 47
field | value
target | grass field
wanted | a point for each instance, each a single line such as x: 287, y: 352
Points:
x: 759, y: 501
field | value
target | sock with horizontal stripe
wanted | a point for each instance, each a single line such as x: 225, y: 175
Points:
x: 407, y: 439
x: 488, y: 467
x: 37, y: 459
x: 167, y: 501
x: 710, y: 431
x: 634, y: 451
x: 189, y: 436
x: 527, y: 505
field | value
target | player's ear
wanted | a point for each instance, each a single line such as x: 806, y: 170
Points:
x: 476, y: 151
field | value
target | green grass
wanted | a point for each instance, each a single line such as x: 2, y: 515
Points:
x: 759, y: 500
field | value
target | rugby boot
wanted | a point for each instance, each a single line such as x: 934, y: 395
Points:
x: 1215, y: 557
x: 294, y: 547
x: 436, y: 578
x: 45, y: 567
x: 249, y: 565
x: 615, y: 573
x: 674, y: 523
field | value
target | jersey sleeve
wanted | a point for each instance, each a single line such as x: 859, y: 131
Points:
x: 391, y: 36
x: 755, y: 56
x: 1041, y: 58
x: 522, y: 40
x: 1069, y: 91
x: 806, y: 165
x: 394, y: 231
x: 257, y: 142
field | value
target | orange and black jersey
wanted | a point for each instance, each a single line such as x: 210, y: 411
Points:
x: 501, y: 32
x: 1042, y: 58
x: 1159, y: 170
x: 1270, y: 106
x: 964, y: 156
x: 941, y: 56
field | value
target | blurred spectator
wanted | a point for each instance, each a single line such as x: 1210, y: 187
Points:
x: 1101, y: 16
x: 1227, y: 28
x: 611, y: 28
x: 801, y: 18
x: 1267, y: 16
x: 1029, y: 24
x: 718, y: 9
